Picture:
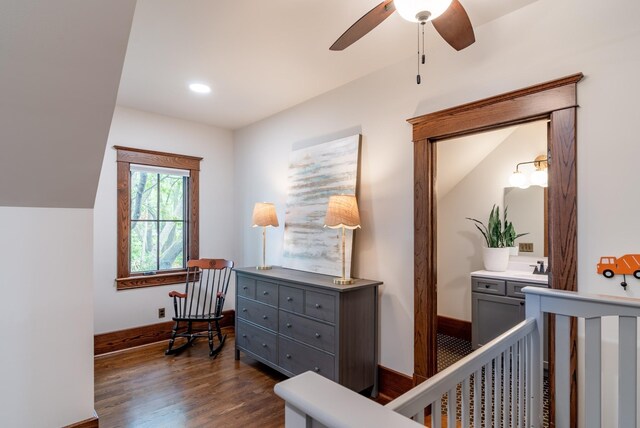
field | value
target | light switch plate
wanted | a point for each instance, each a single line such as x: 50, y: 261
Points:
x: 525, y: 247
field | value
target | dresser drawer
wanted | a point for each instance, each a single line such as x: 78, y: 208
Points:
x: 311, y: 332
x: 514, y: 289
x: 320, y: 305
x: 489, y: 286
x: 246, y: 287
x: 256, y: 340
x: 267, y: 292
x: 258, y: 313
x: 297, y: 358
x: 291, y: 299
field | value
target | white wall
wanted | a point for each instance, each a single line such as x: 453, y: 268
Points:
x: 116, y: 310
x: 46, y: 363
x: 459, y: 242
x: 546, y: 40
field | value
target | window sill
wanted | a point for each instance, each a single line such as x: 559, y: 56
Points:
x: 141, y: 281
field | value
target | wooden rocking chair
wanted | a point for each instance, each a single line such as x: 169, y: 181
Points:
x: 203, y: 300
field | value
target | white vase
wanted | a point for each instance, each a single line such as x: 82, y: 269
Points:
x: 495, y: 259
x: 514, y: 251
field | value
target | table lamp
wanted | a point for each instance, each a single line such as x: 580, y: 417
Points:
x: 264, y: 215
x: 342, y: 212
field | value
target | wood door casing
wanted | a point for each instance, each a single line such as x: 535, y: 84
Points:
x: 555, y: 100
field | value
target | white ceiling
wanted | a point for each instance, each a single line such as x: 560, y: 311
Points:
x: 260, y: 57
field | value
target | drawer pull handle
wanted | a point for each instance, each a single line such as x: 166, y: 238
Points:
x: 244, y: 335
x: 317, y: 335
x: 288, y: 356
x: 245, y: 288
x: 288, y: 325
x: 521, y: 303
x: 289, y: 299
x: 318, y: 306
x: 264, y: 293
x: 264, y: 317
x: 316, y: 369
x: 264, y: 345
x: 244, y: 309
x: 487, y: 286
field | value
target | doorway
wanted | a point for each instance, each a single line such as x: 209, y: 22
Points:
x: 555, y: 101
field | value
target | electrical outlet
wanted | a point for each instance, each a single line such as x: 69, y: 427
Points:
x: 525, y: 247
x: 161, y: 313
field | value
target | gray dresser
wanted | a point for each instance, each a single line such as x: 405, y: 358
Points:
x: 296, y: 321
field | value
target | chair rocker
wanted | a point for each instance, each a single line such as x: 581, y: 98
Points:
x: 205, y: 289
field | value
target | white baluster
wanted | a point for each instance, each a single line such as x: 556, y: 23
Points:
x: 627, y: 371
x: 520, y: 382
x: 505, y: 389
x: 436, y: 414
x: 514, y: 383
x: 488, y: 395
x: 465, y: 410
x: 497, y: 402
x: 477, y: 390
x: 452, y: 401
x: 592, y: 372
x: 563, y: 398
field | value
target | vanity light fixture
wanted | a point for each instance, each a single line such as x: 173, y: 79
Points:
x: 539, y: 177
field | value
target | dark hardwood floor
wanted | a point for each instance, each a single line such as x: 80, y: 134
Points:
x: 142, y: 387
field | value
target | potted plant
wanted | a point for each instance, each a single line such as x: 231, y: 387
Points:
x: 499, y: 236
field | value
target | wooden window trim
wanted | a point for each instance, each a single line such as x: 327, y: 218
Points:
x: 125, y: 157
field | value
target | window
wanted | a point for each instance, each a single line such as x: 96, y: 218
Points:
x: 157, y: 217
x: 159, y: 227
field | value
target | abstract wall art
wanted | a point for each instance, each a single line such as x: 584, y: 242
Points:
x: 315, y: 173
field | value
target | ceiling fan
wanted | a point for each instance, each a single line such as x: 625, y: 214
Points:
x: 448, y: 17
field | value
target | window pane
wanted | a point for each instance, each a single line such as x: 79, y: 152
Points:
x: 144, y: 196
x: 144, y: 246
x: 171, y: 197
x: 171, y: 245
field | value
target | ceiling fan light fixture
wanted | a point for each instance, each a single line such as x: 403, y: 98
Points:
x: 412, y: 9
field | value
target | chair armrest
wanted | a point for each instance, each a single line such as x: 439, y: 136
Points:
x: 177, y: 294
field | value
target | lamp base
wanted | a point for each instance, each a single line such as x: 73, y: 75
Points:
x: 263, y: 267
x: 343, y: 281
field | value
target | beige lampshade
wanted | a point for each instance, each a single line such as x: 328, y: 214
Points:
x: 342, y: 211
x: 264, y: 214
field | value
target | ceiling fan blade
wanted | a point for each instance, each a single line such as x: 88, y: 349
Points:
x: 363, y: 25
x: 455, y: 27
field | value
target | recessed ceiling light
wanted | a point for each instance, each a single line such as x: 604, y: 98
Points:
x: 200, y: 88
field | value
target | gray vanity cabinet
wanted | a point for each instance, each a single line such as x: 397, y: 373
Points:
x: 296, y: 321
x: 496, y: 306
x: 492, y: 316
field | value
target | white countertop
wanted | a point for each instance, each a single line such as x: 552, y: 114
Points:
x: 513, y: 275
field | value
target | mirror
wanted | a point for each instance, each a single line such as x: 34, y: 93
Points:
x: 527, y: 212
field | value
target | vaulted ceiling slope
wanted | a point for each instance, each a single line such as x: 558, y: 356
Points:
x: 60, y: 66
x: 262, y: 57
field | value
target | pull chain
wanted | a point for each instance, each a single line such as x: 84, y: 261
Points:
x: 421, y: 58
x: 424, y: 57
x: 418, y: 79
